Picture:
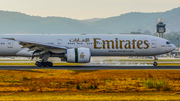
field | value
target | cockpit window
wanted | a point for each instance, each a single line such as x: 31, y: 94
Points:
x: 168, y: 42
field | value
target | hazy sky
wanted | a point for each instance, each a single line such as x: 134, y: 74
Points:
x: 85, y: 9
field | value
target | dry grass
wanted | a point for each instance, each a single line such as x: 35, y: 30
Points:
x: 49, y: 96
x: 90, y: 83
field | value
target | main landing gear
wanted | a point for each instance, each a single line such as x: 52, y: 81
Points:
x: 44, y: 64
x: 44, y: 61
x: 155, y: 63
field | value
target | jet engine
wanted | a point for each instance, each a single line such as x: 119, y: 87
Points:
x: 78, y: 55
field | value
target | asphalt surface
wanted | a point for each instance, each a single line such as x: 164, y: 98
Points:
x: 91, y: 67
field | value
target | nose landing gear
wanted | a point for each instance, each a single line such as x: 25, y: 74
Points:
x: 155, y: 63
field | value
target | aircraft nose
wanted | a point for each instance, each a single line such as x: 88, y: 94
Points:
x: 173, y: 46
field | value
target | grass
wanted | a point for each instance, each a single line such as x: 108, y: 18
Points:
x: 157, y: 84
x: 49, y: 84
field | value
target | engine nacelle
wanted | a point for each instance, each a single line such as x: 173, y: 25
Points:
x: 78, y: 55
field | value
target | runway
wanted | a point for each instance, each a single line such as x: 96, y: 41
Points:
x: 92, y: 67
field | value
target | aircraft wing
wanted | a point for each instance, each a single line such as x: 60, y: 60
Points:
x: 33, y: 46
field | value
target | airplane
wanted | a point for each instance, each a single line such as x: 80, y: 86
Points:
x: 79, y: 48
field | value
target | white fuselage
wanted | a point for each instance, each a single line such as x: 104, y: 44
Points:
x: 100, y: 45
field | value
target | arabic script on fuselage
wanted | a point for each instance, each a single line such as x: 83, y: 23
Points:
x: 79, y: 40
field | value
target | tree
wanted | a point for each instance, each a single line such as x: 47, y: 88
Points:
x: 135, y: 32
x: 147, y: 32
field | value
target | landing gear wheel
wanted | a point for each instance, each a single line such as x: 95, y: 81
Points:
x: 50, y: 64
x: 155, y: 63
x: 38, y: 64
x: 44, y: 64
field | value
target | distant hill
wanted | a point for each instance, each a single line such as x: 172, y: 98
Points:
x: 135, y: 20
x: 15, y: 22
x: 91, y: 20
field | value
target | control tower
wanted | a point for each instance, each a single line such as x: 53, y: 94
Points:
x: 160, y: 28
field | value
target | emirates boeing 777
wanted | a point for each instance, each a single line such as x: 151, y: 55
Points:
x: 79, y: 48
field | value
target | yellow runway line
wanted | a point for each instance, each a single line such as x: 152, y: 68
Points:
x: 168, y: 64
x: 33, y: 64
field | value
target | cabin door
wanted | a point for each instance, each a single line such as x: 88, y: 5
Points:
x: 154, y: 43
x: 10, y: 44
x: 60, y: 42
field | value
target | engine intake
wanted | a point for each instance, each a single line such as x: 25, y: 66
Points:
x: 78, y: 55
